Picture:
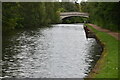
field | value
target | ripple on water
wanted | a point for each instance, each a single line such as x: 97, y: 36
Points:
x: 61, y: 51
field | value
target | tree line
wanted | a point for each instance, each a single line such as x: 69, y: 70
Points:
x: 104, y: 14
x: 17, y: 15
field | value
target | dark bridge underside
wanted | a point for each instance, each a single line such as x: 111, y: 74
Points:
x: 72, y: 16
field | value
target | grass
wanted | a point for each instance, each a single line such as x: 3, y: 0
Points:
x: 109, y: 64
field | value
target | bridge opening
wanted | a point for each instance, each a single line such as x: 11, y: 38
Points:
x: 74, y: 19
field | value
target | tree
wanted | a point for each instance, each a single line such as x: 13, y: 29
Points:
x: 103, y: 14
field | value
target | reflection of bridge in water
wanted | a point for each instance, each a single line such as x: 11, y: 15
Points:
x: 70, y: 14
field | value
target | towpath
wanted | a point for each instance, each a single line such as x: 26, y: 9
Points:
x: 114, y: 34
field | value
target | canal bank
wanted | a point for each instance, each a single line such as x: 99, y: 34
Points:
x: 107, y: 65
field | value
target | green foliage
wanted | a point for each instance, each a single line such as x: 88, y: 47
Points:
x: 103, y: 14
x: 10, y: 15
x: 32, y: 14
x: 69, y: 6
x: 61, y: 10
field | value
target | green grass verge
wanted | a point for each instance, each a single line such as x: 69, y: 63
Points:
x: 109, y: 64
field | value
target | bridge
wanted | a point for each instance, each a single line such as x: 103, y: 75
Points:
x: 70, y: 14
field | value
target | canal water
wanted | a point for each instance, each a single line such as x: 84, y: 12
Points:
x: 60, y: 51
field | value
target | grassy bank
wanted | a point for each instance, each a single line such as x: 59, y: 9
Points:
x: 107, y: 66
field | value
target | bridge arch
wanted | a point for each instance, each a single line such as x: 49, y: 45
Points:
x: 70, y: 14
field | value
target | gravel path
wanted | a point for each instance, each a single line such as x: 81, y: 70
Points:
x: 114, y: 34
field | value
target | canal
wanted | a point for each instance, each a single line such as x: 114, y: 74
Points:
x: 60, y: 51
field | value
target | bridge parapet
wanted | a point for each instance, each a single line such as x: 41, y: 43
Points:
x: 69, y: 14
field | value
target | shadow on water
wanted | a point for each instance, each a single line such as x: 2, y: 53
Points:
x: 60, y: 51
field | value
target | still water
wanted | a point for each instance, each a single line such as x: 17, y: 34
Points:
x: 60, y: 51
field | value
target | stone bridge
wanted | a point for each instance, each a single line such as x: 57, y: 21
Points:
x: 70, y: 14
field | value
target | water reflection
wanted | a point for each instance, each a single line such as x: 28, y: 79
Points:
x: 61, y: 51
